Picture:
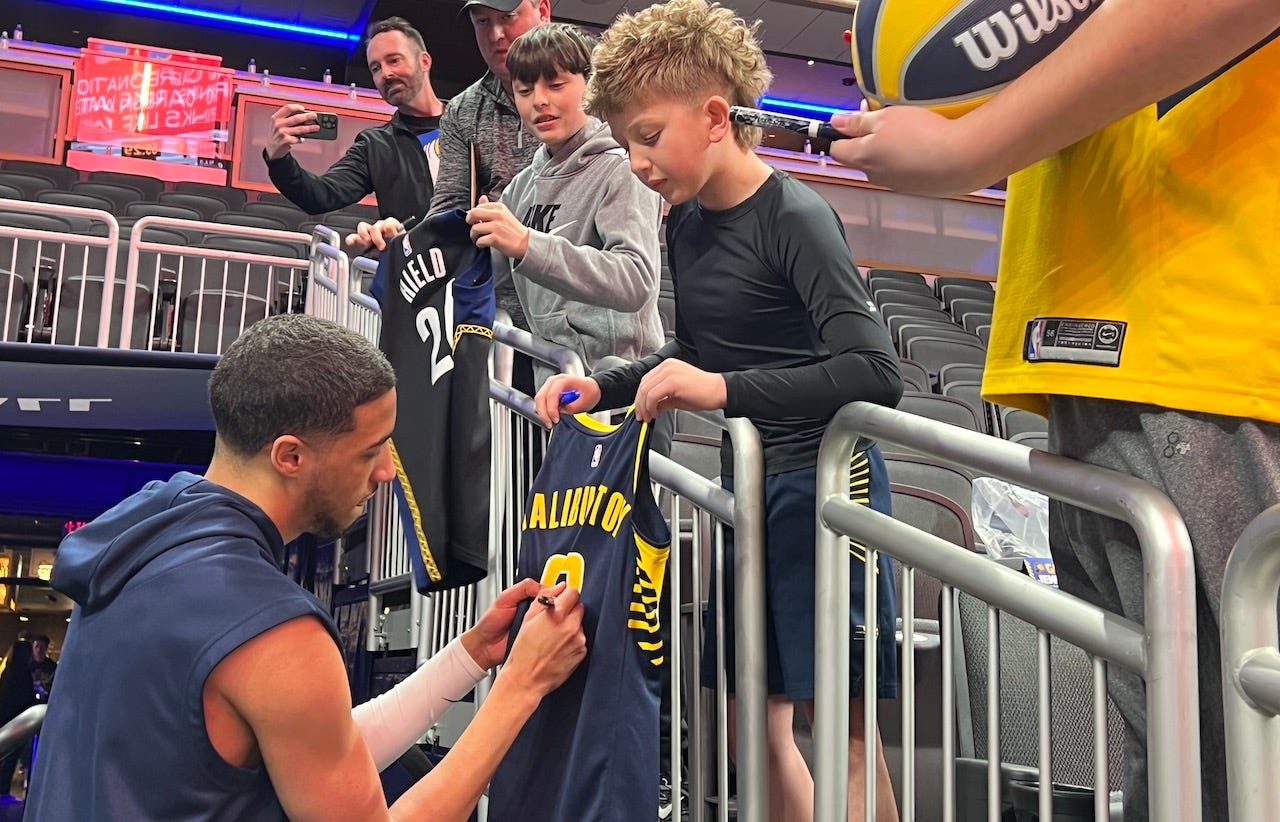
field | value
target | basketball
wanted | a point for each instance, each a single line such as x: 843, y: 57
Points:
x: 950, y: 56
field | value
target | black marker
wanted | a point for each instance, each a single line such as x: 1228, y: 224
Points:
x: 800, y: 125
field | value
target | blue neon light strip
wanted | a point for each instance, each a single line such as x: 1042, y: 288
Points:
x: 793, y: 106
x: 259, y: 24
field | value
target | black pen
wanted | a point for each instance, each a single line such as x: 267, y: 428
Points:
x: 546, y: 600
x: 800, y: 125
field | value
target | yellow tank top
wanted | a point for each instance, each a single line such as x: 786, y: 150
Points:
x: 1143, y: 263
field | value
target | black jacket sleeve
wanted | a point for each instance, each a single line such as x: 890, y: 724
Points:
x: 347, y: 181
x: 812, y: 253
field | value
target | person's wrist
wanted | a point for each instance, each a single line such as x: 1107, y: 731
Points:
x: 475, y: 648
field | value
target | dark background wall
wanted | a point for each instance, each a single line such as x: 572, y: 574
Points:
x: 449, y: 38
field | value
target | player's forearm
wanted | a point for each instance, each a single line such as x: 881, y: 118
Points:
x: 1127, y: 55
x: 452, y: 789
x: 390, y: 723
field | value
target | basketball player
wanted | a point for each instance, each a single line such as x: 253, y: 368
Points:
x: 198, y: 682
x: 1147, y: 208
x: 773, y: 323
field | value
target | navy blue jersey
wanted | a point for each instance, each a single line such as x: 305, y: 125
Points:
x: 590, y: 751
x: 436, y: 291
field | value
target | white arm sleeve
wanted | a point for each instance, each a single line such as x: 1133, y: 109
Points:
x: 392, y: 722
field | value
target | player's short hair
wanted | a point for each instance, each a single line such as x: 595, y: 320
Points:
x: 679, y: 50
x: 293, y: 374
x: 543, y: 51
x: 395, y: 24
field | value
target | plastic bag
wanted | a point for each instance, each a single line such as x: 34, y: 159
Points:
x: 1009, y: 520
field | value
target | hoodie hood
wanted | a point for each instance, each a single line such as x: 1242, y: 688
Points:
x: 578, y: 152
x: 96, y: 562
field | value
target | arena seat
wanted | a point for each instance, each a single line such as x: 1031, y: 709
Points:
x: 914, y: 373
x: 209, y: 321
x: 970, y: 393
x: 924, y: 299
x: 930, y: 474
x: 120, y: 196
x: 930, y: 326
x: 959, y: 306
x: 290, y: 215
x: 250, y: 220
x: 29, y: 184
x: 206, y: 207
x: 942, y: 409
x: 940, y: 282
x: 71, y: 290
x: 958, y: 372
x: 149, y: 186
x: 934, y: 514
x: 75, y: 199
x: 954, y: 291
x: 973, y: 320
x: 1032, y: 439
x: 1014, y: 421
x: 13, y: 311
x: 880, y: 287
x: 1071, y: 723
x: 894, y: 275
x: 933, y: 352
x: 233, y: 198
x: 8, y: 192
x: 60, y: 175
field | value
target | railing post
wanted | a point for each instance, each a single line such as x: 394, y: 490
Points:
x: 831, y: 631
x: 1173, y: 736
x: 748, y: 573
x: 1250, y: 586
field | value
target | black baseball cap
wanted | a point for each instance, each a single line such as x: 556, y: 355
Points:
x: 503, y: 6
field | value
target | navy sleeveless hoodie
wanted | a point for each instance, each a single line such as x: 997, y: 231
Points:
x: 166, y: 584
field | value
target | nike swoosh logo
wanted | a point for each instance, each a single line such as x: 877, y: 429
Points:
x: 560, y: 228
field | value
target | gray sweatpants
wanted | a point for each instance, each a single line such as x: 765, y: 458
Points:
x: 1220, y: 472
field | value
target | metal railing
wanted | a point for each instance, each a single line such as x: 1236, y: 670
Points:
x: 48, y: 277
x: 517, y: 436
x: 203, y: 297
x: 1251, y: 669
x: 1164, y: 653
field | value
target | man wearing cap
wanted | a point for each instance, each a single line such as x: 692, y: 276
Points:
x: 484, y: 117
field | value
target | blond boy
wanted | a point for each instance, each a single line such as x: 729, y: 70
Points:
x: 772, y: 324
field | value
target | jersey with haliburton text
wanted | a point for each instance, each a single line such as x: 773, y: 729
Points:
x: 590, y: 751
x: 436, y: 292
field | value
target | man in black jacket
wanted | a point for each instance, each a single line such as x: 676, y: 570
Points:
x: 396, y: 161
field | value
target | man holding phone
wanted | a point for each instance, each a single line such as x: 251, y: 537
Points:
x: 396, y: 161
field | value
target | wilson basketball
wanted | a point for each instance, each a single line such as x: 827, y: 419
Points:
x: 952, y: 55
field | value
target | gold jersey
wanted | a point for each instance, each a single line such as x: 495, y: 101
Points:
x: 1143, y: 263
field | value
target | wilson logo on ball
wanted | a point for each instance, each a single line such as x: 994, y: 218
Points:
x: 951, y: 55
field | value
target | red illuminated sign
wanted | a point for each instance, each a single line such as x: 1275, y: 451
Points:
x: 134, y: 96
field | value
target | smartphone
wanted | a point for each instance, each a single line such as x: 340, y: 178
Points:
x: 328, y: 122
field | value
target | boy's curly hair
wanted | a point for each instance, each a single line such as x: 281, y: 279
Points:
x: 679, y: 50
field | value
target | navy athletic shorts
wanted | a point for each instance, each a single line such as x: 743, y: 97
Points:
x: 790, y: 530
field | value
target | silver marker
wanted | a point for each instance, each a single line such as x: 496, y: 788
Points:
x: 800, y: 125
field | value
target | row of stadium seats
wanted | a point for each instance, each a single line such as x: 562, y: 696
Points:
x: 118, y: 193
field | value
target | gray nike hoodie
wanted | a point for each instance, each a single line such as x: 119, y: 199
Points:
x: 589, y: 280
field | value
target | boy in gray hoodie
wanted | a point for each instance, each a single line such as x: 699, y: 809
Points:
x: 575, y: 229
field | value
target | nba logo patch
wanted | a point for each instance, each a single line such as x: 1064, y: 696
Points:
x: 595, y: 455
x: 408, y: 249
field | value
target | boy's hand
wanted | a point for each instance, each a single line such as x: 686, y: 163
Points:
x: 374, y: 234
x: 494, y: 226
x: 547, y: 403
x: 677, y: 384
